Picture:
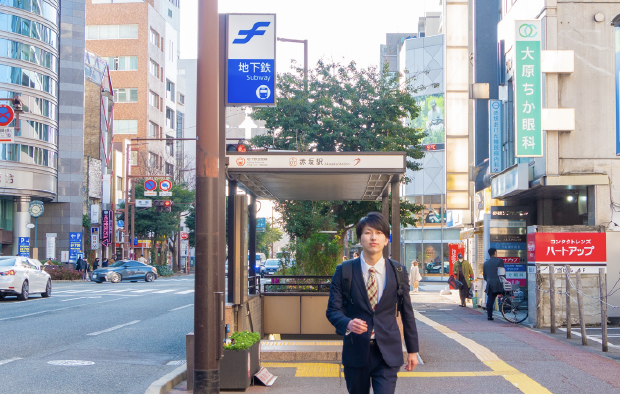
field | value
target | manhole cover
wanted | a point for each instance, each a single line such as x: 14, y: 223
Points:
x: 177, y: 362
x: 71, y: 363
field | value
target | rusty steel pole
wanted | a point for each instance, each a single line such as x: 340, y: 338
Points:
x: 207, y: 311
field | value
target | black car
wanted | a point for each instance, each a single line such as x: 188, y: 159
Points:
x: 124, y: 270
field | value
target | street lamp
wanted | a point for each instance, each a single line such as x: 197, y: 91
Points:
x: 305, y: 42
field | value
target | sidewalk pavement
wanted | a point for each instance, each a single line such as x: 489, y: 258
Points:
x: 460, y: 350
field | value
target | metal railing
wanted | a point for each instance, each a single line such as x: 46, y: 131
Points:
x: 282, y: 284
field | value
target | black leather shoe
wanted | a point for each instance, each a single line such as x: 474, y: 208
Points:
x: 490, y: 318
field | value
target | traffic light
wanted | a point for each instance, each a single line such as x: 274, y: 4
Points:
x: 238, y: 147
x: 163, y: 205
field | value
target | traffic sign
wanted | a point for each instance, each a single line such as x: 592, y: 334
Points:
x: 165, y: 194
x: 120, y: 223
x: 251, y: 64
x: 144, y: 203
x: 150, y: 193
x: 165, y: 185
x: 6, y: 115
x: 184, y: 235
x: 150, y: 185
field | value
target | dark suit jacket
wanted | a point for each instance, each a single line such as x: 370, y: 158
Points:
x: 356, y: 347
x: 489, y: 271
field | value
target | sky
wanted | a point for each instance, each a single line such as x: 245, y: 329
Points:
x: 342, y: 30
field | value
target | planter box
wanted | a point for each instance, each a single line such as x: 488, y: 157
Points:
x: 237, y: 367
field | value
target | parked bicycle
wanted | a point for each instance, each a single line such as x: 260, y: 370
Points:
x: 514, y: 303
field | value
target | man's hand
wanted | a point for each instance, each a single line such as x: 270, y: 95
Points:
x: 412, y: 361
x: 357, y: 326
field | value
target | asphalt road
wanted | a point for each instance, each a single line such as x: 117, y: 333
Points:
x: 126, y: 332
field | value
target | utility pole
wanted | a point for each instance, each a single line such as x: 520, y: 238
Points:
x: 207, y: 304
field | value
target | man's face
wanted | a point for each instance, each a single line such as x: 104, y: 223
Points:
x: 373, y: 241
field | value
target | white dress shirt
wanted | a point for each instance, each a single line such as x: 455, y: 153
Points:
x: 380, y: 276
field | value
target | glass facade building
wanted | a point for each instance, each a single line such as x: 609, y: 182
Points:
x: 29, y: 67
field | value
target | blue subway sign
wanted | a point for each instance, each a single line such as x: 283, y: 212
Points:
x: 251, y: 60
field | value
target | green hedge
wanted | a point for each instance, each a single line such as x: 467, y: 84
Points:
x: 242, y: 340
x: 163, y: 270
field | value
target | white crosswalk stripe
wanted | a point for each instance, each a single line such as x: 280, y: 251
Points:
x: 126, y: 292
x: 163, y: 291
x: 142, y: 291
x: 185, y: 292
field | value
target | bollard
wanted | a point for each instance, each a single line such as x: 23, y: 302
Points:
x: 569, y: 328
x: 582, y: 316
x: 602, y: 279
x: 552, y: 296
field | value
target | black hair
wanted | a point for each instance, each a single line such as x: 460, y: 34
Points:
x: 492, y: 252
x: 373, y: 220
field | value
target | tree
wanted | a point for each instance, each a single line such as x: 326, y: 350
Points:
x: 266, y: 239
x: 162, y: 227
x: 345, y: 109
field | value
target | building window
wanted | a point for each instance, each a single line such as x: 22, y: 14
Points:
x: 181, y: 71
x: 123, y: 63
x: 152, y: 160
x: 154, y: 38
x: 126, y: 95
x: 111, y: 32
x: 169, y: 90
x: 125, y: 126
x: 181, y: 99
x: 153, y: 99
x: 169, y: 12
x: 174, y: 3
x: 154, y: 69
x: 14, y: 24
x: 169, y: 146
x: 169, y: 118
x: 153, y: 130
x: 119, y: 183
x: 169, y: 169
x: 134, y: 157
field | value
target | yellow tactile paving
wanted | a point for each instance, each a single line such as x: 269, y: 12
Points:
x: 490, y: 359
x: 304, y: 343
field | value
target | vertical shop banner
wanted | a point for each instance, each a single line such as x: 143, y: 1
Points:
x: 454, y: 249
x: 24, y: 246
x: 50, y: 246
x: 495, y: 136
x: 106, y: 228
x: 528, y: 89
x: 75, y: 246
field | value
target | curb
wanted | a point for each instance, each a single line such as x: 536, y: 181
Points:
x: 167, y: 382
x: 70, y: 281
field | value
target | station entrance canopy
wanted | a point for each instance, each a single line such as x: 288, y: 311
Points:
x: 317, y: 176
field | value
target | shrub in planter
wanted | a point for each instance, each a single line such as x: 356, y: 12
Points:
x: 163, y: 270
x: 62, y: 273
x: 241, y: 361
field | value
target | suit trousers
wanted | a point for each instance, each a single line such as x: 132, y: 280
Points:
x: 491, y: 303
x: 383, y: 376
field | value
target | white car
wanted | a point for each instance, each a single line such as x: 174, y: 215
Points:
x: 20, y: 276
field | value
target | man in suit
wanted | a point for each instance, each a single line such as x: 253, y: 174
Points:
x: 372, y: 346
x: 491, y: 276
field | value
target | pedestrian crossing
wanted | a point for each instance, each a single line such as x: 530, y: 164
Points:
x: 122, y: 292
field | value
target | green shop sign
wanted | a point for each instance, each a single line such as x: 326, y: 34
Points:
x: 528, y: 89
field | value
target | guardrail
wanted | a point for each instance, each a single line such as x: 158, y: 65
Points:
x: 289, y: 284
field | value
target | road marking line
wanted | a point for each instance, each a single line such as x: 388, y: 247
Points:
x: 118, y: 291
x: 185, y: 292
x: 591, y: 337
x: 142, y: 291
x: 490, y: 359
x: 9, y: 360
x: 114, y: 328
x: 181, y: 307
x: 163, y: 291
x: 73, y: 299
x: 59, y: 309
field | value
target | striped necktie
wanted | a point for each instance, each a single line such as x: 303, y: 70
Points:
x: 371, y: 288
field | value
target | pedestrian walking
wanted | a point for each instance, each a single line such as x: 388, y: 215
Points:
x: 96, y: 263
x: 81, y: 267
x: 363, y: 299
x: 491, y: 276
x: 142, y: 259
x: 414, y: 276
x: 465, y: 274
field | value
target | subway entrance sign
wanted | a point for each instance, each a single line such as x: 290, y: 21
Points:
x: 250, y: 58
